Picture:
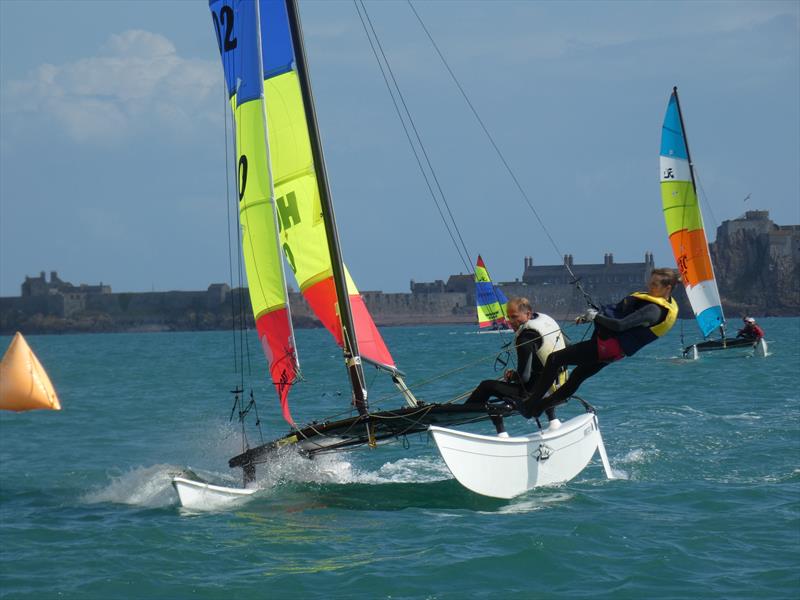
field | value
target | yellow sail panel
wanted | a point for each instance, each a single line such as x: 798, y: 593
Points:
x: 256, y: 214
x: 296, y: 190
x: 24, y: 384
x: 299, y: 208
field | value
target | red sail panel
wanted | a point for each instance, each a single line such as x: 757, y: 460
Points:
x: 275, y: 334
x: 321, y: 297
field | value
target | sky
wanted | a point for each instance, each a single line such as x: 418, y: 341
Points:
x: 113, y: 151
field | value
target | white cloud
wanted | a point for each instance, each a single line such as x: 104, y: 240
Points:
x: 137, y: 81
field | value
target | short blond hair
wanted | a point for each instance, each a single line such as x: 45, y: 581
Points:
x: 521, y: 304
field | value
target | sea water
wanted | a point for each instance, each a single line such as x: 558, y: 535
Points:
x: 706, y: 500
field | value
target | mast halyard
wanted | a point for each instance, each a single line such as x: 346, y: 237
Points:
x: 349, y: 342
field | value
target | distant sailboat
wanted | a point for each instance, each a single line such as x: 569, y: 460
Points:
x: 688, y: 237
x: 490, y: 301
x: 24, y: 384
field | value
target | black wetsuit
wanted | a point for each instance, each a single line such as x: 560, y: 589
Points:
x: 529, y: 367
x: 586, y: 358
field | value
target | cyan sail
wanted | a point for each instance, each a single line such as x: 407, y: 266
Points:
x: 684, y: 222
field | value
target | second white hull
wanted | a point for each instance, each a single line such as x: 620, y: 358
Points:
x: 198, y: 495
x: 507, y: 467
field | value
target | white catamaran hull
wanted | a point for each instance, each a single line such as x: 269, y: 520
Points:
x: 759, y: 349
x: 507, y: 467
x: 199, y: 495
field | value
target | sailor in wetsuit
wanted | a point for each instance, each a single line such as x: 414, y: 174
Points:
x: 536, y: 336
x: 619, y: 330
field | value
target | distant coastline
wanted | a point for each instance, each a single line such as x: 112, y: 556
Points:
x: 756, y: 263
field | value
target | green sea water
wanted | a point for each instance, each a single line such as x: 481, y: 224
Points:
x: 706, y: 503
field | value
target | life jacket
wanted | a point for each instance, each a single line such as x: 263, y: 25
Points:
x: 633, y: 340
x: 552, y: 339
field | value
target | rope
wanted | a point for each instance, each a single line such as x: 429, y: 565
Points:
x: 461, y: 248
x: 500, y: 155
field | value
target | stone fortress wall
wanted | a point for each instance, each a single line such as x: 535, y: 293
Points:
x: 757, y: 265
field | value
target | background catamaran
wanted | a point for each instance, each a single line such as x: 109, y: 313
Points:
x: 490, y: 301
x: 688, y: 237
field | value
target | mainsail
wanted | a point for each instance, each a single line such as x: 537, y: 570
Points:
x: 685, y: 223
x: 490, y: 301
x: 290, y: 213
x: 283, y: 194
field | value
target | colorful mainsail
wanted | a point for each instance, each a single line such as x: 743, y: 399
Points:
x: 490, y: 301
x: 239, y: 44
x: 685, y: 223
x: 281, y: 211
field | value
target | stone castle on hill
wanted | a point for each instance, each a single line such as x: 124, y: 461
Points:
x: 757, y: 264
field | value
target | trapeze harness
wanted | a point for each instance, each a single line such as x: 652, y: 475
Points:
x: 613, y: 345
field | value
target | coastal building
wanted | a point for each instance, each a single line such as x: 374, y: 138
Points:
x: 757, y: 264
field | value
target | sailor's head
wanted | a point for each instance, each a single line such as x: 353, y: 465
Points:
x: 518, y: 311
x: 662, y: 282
x: 749, y: 320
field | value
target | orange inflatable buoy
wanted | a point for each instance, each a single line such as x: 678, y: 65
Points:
x: 24, y: 384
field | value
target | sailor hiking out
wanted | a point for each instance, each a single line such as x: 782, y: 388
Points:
x: 620, y: 330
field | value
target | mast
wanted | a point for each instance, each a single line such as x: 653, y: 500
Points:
x: 349, y: 341
x: 694, y: 187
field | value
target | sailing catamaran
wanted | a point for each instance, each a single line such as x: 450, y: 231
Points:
x: 688, y: 238
x: 490, y: 301
x: 286, y: 211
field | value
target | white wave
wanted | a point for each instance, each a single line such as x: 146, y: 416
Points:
x: 414, y: 470
x: 637, y: 456
x: 539, y: 502
x: 149, y: 487
x: 335, y: 468
x: 742, y: 417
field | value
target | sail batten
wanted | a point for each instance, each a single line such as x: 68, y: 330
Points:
x: 684, y: 221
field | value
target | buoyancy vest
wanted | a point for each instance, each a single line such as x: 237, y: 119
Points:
x: 551, y: 336
x: 634, y: 339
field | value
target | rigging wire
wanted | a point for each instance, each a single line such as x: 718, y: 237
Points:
x: 239, y: 319
x: 395, y: 93
x: 576, y: 280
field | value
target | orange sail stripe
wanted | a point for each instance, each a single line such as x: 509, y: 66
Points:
x: 691, y: 256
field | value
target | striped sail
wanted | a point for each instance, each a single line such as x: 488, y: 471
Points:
x: 685, y: 223
x: 490, y: 301
x: 298, y: 226
x: 237, y: 35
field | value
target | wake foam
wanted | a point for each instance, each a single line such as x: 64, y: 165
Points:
x: 337, y: 469
x: 149, y: 487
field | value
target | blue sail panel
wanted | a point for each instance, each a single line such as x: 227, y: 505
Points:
x: 673, y: 141
x: 501, y: 297
x: 710, y: 319
x: 235, y: 26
